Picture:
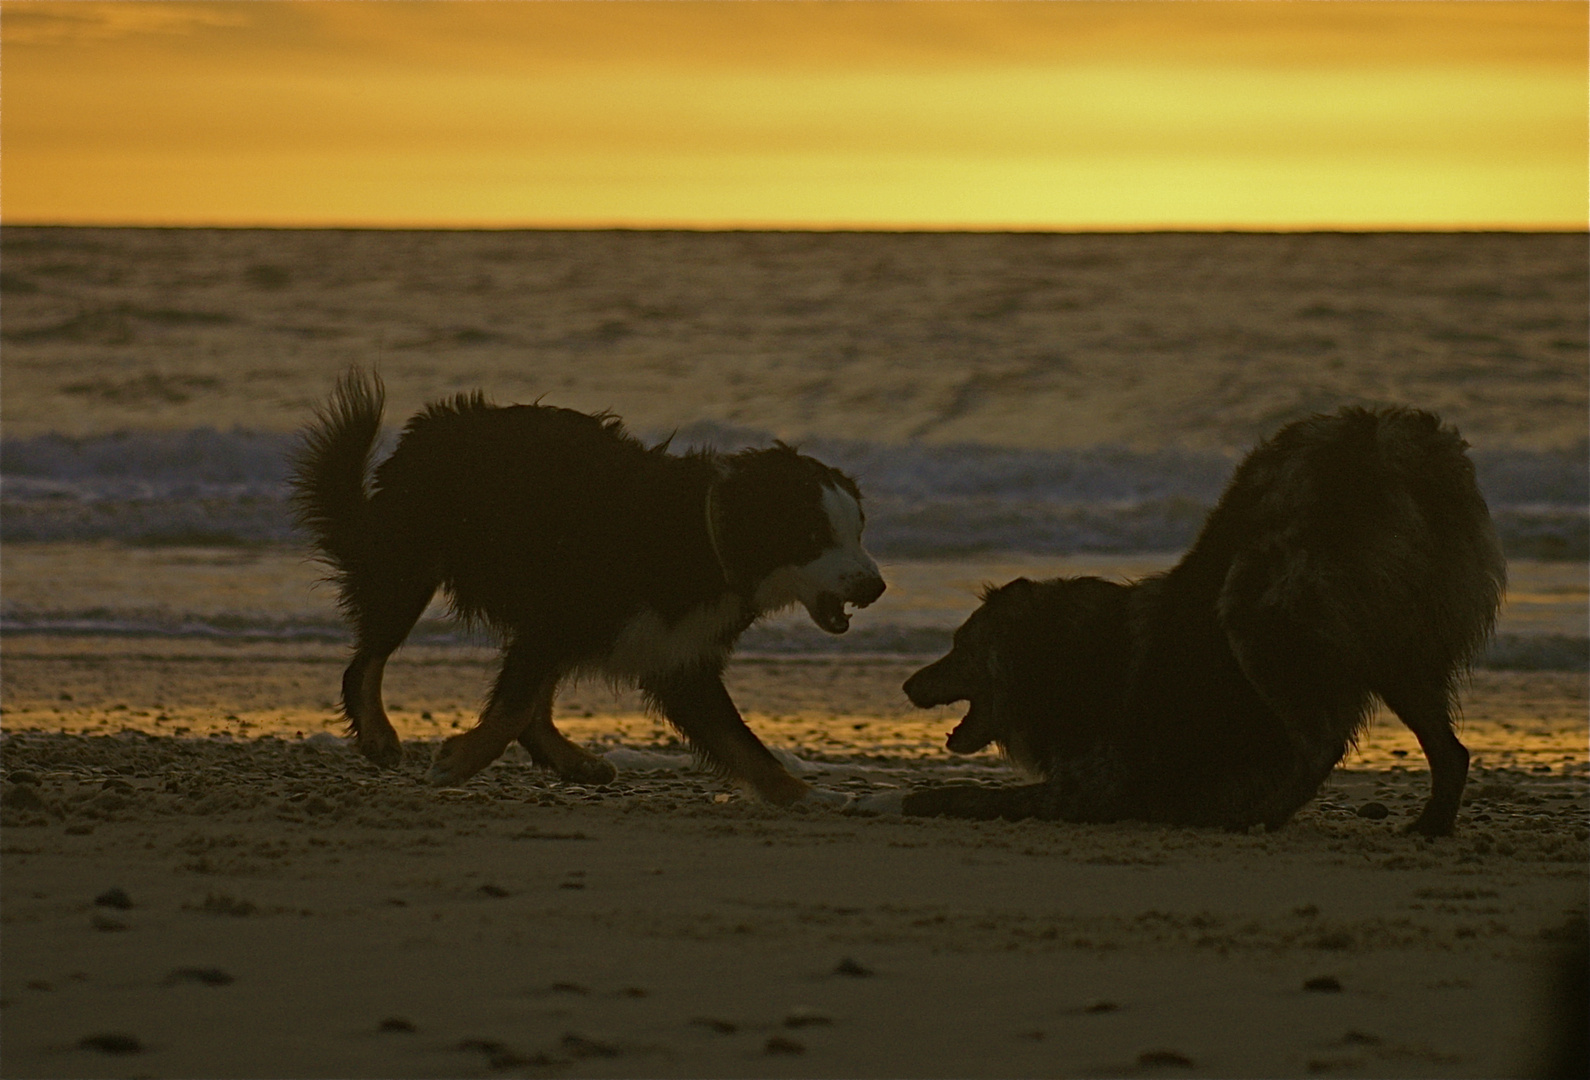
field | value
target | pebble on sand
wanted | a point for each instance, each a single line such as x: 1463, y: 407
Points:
x: 1151, y: 1058
x: 112, y: 1043
x: 850, y: 967
x: 202, y: 976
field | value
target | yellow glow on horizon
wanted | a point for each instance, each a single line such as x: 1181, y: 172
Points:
x: 896, y: 115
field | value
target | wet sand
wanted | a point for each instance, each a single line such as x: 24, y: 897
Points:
x: 296, y: 912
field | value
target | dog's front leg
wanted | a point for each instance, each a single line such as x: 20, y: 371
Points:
x: 697, y: 703
x: 522, y: 685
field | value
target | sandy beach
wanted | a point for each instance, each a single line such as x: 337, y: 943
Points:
x: 201, y: 880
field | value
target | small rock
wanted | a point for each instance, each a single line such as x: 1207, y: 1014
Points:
x: 1102, y: 1007
x: 1334, y: 941
x: 1374, y: 811
x: 106, y: 923
x: 1152, y: 1058
x: 1324, y: 984
x: 221, y: 904
x: 778, y: 1044
x: 722, y: 1027
x: 202, y: 976
x: 114, y: 898
x: 22, y: 797
x: 110, y: 801
x: 800, y: 1018
x: 395, y: 1023
x: 581, y: 1047
x: 112, y: 1043
x: 483, y: 1046
x: 1361, y: 1038
x: 568, y: 988
x: 850, y: 967
x: 22, y: 776
x: 493, y: 890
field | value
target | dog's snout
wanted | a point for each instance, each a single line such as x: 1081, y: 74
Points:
x: 930, y: 687
x: 867, y: 590
x: 913, y: 690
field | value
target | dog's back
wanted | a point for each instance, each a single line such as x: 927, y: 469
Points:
x: 1361, y: 539
x: 1351, y: 557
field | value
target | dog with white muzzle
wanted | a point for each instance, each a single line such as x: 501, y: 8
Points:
x: 588, y: 552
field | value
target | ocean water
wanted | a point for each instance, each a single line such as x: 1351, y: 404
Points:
x: 1010, y: 404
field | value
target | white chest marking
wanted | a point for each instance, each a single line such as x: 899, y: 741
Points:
x: 647, y: 645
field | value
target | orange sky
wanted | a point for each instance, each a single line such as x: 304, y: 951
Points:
x: 805, y: 115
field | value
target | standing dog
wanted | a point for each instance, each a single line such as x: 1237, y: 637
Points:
x: 1351, y: 558
x: 587, y: 551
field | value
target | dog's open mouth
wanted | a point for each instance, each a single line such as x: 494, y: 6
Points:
x: 972, y: 734
x: 829, y: 613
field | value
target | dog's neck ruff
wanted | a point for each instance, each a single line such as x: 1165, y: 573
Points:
x: 712, y: 530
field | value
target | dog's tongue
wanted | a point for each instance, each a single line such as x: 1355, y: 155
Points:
x: 829, y: 613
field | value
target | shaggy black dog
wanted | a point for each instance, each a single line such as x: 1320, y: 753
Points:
x: 587, y: 551
x: 1351, y: 558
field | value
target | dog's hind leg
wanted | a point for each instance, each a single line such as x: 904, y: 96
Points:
x: 528, y: 670
x: 550, y: 749
x: 382, y: 618
x: 697, y: 703
x: 1427, y: 711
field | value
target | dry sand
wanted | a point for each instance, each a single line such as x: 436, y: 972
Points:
x: 295, y: 912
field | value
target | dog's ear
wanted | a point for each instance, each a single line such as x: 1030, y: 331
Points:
x: 765, y: 511
x: 1016, y: 594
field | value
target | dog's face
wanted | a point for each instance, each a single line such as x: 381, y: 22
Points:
x: 975, y: 670
x: 789, y: 527
x: 1042, y: 665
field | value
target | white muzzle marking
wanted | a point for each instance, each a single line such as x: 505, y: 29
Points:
x: 823, y: 585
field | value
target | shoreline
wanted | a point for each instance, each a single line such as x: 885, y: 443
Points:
x: 822, y: 705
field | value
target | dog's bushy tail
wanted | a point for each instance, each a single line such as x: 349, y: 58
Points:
x: 330, y: 500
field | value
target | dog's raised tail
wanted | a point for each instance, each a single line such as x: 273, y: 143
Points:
x: 330, y: 500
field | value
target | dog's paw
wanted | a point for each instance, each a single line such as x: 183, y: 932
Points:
x: 822, y: 797
x: 883, y: 802
x: 1432, y: 828
x: 592, y: 771
x: 385, y: 751
x: 457, y: 760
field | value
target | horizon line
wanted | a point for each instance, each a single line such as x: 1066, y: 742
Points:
x: 822, y: 227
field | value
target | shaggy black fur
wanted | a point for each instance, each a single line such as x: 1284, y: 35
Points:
x: 1352, y: 557
x: 583, y: 548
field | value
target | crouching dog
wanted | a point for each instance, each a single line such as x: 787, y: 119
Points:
x: 587, y: 552
x: 1351, y: 558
